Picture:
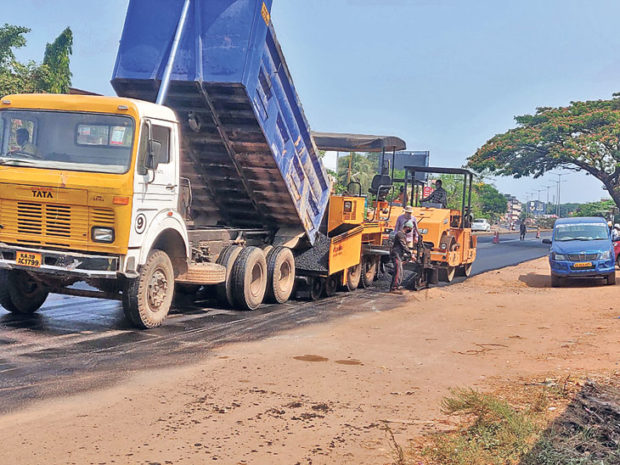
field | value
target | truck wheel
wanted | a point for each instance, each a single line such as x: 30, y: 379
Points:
x: 611, y: 278
x: 20, y: 293
x: 316, y: 287
x: 556, y: 281
x: 280, y: 274
x: 227, y: 259
x: 249, y: 278
x: 369, y: 271
x: 447, y: 274
x: 354, y: 274
x: 331, y: 285
x: 147, y: 299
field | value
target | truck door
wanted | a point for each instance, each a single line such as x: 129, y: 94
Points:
x: 157, y: 189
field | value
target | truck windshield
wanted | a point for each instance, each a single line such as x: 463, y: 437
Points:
x: 581, y: 232
x: 66, y: 140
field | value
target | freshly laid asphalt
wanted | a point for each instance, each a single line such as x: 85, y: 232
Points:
x: 74, y: 344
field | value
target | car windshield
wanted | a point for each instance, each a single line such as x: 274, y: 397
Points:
x: 581, y: 232
x: 66, y: 140
x: 480, y: 221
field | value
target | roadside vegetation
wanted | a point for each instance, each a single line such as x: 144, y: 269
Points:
x: 549, y: 423
x: 51, y: 76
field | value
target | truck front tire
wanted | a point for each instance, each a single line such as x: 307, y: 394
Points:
x: 280, y: 274
x: 20, y: 293
x: 147, y: 299
x: 249, y: 279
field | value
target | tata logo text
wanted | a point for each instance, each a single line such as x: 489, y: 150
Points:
x: 42, y: 194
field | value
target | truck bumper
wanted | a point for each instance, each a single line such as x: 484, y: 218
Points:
x: 65, y: 264
x: 566, y: 269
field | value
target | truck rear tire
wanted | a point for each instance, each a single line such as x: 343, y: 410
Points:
x: 369, y: 271
x: 227, y: 259
x: 147, y: 299
x: 611, y: 278
x: 354, y: 274
x: 249, y: 279
x: 280, y: 274
x: 20, y: 293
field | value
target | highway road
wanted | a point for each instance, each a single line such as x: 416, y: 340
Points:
x: 75, y: 344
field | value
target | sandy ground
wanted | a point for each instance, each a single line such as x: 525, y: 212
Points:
x: 322, y: 394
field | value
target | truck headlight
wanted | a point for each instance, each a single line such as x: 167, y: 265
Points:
x: 102, y: 234
x: 605, y: 255
x: 558, y: 256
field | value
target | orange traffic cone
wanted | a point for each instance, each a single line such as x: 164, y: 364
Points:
x: 496, y: 238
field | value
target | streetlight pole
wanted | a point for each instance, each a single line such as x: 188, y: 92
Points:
x: 559, y: 182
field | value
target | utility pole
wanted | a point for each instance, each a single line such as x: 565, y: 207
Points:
x: 559, y: 192
x: 547, y: 204
x: 538, y: 191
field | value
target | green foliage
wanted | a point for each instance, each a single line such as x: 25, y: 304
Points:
x: 602, y: 208
x: 11, y: 37
x: 52, y: 76
x: 363, y: 169
x: 486, y: 200
x: 57, y: 59
x: 583, y: 136
x: 499, y: 434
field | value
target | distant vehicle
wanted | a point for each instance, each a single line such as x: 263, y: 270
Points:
x: 580, y: 248
x: 481, y: 224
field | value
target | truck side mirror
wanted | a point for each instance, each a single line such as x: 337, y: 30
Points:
x: 154, y: 151
x: 546, y: 241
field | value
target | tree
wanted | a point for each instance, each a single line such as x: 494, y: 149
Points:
x: 491, y: 202
x: 486, y: 200
x: 57, y: 59
x: 583, y: 136
x: 602, y: 208
x: 363, y: 169
x: 53, y: 75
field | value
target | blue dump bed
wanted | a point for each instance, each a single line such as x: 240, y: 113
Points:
x: 247, y: 147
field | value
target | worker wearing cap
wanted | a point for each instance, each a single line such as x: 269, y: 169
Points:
x: 412, y: 236
x: 398, y: 253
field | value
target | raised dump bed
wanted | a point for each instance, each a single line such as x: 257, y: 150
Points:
x: 247, y: 148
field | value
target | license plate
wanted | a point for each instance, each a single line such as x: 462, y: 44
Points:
x: 28, y: 259
x: 583, y: 265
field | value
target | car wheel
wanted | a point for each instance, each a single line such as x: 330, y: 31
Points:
x: 556, y: 281
x: 611, y: 278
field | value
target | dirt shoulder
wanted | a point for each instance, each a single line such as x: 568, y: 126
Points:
x: 321, y: 394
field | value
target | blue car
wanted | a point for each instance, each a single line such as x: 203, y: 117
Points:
x: 580, y: 248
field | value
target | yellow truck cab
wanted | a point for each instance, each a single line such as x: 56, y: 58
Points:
x: 87, y: 195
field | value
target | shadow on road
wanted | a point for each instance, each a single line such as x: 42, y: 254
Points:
x: 537, y: 280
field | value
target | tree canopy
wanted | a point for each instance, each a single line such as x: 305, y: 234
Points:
x: 52, y: 76
x: 583, y: 136
x: 486, y: 200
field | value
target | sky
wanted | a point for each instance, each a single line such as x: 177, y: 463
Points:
x: 444, y: 75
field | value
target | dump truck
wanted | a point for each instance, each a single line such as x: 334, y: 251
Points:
x: 201, y: 172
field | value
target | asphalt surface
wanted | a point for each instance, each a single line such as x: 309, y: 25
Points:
x: 75, y: 344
